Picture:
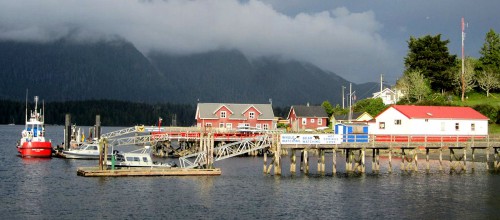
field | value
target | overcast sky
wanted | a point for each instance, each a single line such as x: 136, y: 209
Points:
x: 356, y: 39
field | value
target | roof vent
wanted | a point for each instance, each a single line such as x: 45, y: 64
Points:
x: 429, y: 114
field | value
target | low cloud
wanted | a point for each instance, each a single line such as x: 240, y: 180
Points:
x: 338, y: 40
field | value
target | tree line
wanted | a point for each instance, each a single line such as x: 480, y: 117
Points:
x: 112, y: 113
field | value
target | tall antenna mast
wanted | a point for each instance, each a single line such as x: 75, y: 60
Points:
x: 26, y: 115
x: 463, y: 60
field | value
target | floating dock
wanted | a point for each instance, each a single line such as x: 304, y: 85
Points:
x: 96, y: 172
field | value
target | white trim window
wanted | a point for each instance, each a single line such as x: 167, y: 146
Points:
x: 221, y: 125
x: 457, y: 126
x: 312, y: 120
x: 258, y: 126
x: 251, y: 115
x: 208, y: 125
x: 472, y: 127
x: 397, y: 121
x: 304, y: 121
x: 381, y: 125
x: 223, y: 114
x: 265, y: 126
x: 229, y: 125
x: 320, y: 121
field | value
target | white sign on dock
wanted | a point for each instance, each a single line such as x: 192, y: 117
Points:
x: 310, y: 139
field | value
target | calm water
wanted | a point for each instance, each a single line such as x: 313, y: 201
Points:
x: 50, y: 189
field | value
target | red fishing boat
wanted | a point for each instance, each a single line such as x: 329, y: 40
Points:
x: 33, y: 142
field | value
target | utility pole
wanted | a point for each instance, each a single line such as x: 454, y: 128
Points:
x: 381, y: 83
x: 350, y: 102
x: 343, y: 98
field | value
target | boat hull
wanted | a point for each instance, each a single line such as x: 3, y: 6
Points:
x: 35, y: 149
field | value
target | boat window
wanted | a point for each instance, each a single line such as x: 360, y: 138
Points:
x: 137, y: 159
x: 130, y: 159
x: 145, y: 159
x: 94, y: 148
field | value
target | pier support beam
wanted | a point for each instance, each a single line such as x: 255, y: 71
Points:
x: 293, y: 162
x: 457, y: 162
x: 334, y: 161
x: 409, y: 159
x: 496, y: 155
x: 67, y: 131
x: 390, y: 160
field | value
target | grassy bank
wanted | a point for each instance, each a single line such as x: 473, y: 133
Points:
x: 477, y: 99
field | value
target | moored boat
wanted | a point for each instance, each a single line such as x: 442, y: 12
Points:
x: 88, y: 151
x: 33, y: 142
x: 137, y: 158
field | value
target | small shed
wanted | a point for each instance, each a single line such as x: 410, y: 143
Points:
x: 354, y: 132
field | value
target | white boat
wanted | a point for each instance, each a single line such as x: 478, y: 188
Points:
x: 86, y: 151
x: 137, y: 158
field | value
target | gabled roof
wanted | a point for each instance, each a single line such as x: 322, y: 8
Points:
x: 304, y: 111
x: 438, y: 112
x: 209, y: 110
x: 345, y: 117
x: 378, y: 94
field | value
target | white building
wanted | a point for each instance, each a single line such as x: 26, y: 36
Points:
x: 388, y: 96
x: 429, y: 120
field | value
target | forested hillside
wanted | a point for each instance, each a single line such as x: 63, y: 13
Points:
x: 115, y: 70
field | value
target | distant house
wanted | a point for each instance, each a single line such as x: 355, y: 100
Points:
x: 388, y: 96
x: 356, y: 117
x: 302, y: 117
x: 231, y: 116
x: 429, y: 120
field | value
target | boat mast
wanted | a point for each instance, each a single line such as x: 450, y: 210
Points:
x: 26, y: 115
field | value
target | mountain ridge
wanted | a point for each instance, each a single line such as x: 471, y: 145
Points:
x: 64, y: 70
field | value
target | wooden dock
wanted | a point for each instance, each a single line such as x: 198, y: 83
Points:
x: 96, y: 172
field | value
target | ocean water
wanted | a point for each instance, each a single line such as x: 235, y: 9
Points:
x: 50, y: 189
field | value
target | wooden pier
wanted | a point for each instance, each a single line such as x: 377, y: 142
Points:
x: 408, y: 148
x: 96, y: 172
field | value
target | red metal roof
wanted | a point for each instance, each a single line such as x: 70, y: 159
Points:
x: 451, y: 112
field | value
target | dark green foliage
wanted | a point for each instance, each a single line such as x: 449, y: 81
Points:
x: 113, y: 113
x: 372, y: 106
x: 489, y: 111
x: 328, y: 108
x: 490, y: 59
x: 430, y: 55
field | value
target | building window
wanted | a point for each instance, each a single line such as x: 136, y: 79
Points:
x: 320, y: 121
x: 208, y: 125
x: 473, y: 127
x: 426, y: 120
x: 258, y: 126
x: 229, y: 125
x: 223, y: 114
x: 457, y: 126
x: 381, y: 125
x: 397, y: 122
x: 251, y: 115
x: 221, y: 125
x: 304, y: 121
x: 265, y: 126
x: 312, y: 120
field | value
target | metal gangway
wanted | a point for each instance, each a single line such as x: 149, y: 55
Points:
x: 121, y: 132
x: 226, y: 151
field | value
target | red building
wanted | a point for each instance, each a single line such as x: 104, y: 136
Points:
x: 307, y: 117
x: 232, y: 116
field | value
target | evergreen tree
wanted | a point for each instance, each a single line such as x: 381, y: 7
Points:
x: 429, y: 54
x: 490, y: 59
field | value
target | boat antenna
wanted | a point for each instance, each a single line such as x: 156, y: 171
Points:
x: 26, y: 115
x: 43, y: 110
